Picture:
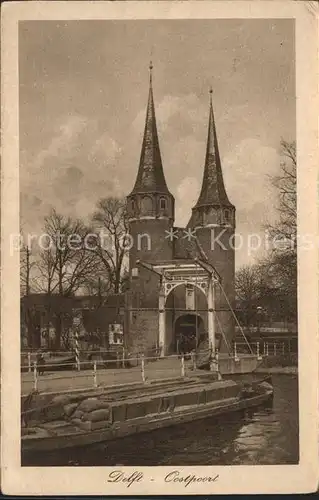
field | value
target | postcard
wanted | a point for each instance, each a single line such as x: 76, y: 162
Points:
x: 159, y: 255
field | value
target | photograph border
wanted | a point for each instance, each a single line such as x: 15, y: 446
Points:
x: 301, y: 478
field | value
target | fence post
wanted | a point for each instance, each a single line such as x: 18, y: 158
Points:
x: 143, y: 367
x: 219, y: 376
x: 182, y: 366
x: 235, y: 351
x: 94, y: 374
x: 283, y: 348
x: 258, y: 351
x: 264, y: 348
x: 123, y: 358
x: 77, y: 350
x: 267, y: 349
x: 35, y: 376
x: 275, y: 349
x: 29, y: 362
x: 194, y: 360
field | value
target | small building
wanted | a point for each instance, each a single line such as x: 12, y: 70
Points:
x: 49, y: 321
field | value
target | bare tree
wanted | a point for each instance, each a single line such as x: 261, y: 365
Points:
x: 249, y: 282
x: 28, y: 284
x: 110, y: 221
x: 97, y: 286
x: 282, y: 261
x: 285, y: 183
x: 65, y: 263
x: 28, y: 271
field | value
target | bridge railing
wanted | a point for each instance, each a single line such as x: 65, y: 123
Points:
x: 98, y: 373
x: 268, y: 348
x: 134, y: 368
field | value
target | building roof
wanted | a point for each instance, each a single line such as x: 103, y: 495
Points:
x: 213, y: 190
x: 77, y: 301
x: 150, y: 176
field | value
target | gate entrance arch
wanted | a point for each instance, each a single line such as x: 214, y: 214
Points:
x: 187, y: 330
x: 198, y: 273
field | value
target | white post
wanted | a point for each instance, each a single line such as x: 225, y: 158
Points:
x: 29, y: 362
x: 258, y: 352
x: 235, y: 352
x: 275, y: 349
x: 214, y: 361
x: 94, y: 374
x: 211, y: 322
x: 77, y: 350
x: 35, y: 376
x: 264, y: 348
x: 161, y: 323
x: 182, y: 366
x: 194, y: 360
x: 267, y: 349
x: 143, y: 367
x: 217, y: 365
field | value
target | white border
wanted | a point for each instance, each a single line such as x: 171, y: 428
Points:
x: 236, y: 479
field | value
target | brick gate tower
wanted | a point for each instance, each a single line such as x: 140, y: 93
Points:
x: 171, y: 293
x: 213, y: 216
x: 150, y: 208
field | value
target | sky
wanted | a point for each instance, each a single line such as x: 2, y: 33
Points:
x: 83, y: 96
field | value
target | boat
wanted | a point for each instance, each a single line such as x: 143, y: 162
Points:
x: 131, y: 411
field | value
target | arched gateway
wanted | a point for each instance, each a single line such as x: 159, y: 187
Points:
x: 195, y: 274
x: 188, y: 330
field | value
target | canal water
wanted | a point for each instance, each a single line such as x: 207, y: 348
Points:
x: 267, y: 435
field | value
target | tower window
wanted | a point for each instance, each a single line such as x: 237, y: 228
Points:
x: 147, y: 205
x: 227, y: 215
x: 213, y: 215
x: 133, y: 205
x: 163, y: 204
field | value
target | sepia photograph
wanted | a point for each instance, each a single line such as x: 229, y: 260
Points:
x: 158, y: 225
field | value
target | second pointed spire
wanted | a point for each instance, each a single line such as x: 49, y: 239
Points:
x: 213, y: 189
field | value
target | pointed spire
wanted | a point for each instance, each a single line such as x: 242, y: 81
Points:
x: 150, y: 177
x: 213, y: 190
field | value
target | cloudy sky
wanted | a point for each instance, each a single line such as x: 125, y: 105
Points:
x: 83, y: 94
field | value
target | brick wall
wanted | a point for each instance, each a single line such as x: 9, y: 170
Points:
x: 142, y: 335
x: 222, y: 257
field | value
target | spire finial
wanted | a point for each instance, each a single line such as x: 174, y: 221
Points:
x: 151, y: 70
x: 211, y: 95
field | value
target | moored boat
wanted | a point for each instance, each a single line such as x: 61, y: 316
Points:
x: 112, y: 415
